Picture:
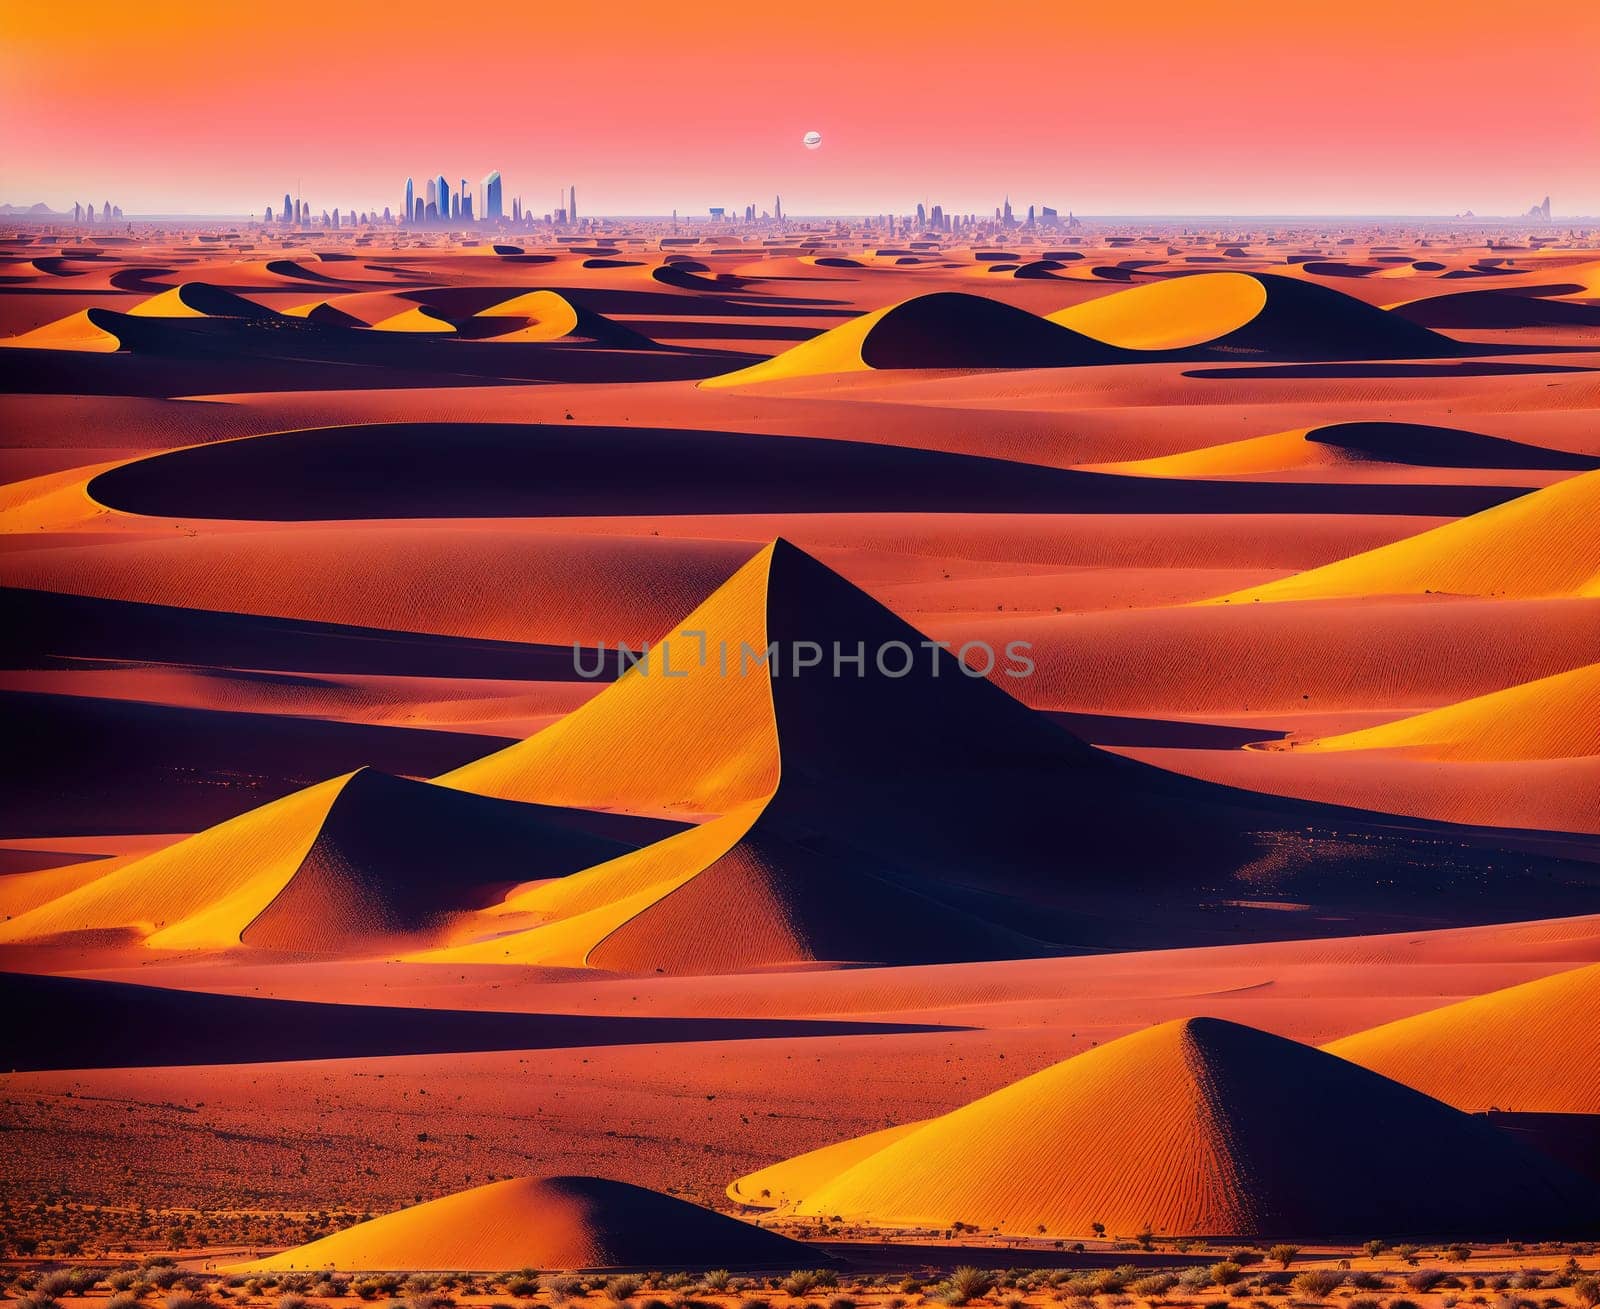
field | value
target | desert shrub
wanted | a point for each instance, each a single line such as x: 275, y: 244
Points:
x: 800, y: 1283
x: 188, y: 1300
x: 562, y: 1289
x: 1402, y: 1304
x: 1375, y: 1248
x: 754, y: 1304
x: 1226, y: 1273
x: 291, y: 1302
x: 123, y: 1279
x: 1283, y: 1255
x: 841, y: 1302
x: 523, y: 1288
x: 162, y: 1278
x: 54, y: 1284
x: 1153, y: 1287
x: 1458, y: 1253
x: 1364, y: 1279
x: 1365, y: 1302
x: 1317, y: 1283
x: 1586, y: 1291
x: 37, y: 1300
x: 621, y: 1289
x: 1194, y: 1279
x: 122, y: 1300
x: 1408, y: 1252
x: 1424, y: 1279
x: 1014, y: 1302
x: 716, y: 1280
x: 964, y: 1285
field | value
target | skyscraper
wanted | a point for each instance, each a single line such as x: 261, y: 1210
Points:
x: 777, y: 208
x: 443, y: 188
x: 572, y: 204
x: 491, y: 197
x: 288, y: 208
x: 411, y: 199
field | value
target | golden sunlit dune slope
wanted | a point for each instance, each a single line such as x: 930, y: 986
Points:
x: 350, y: 865
x: 567, y: 1223
x: 1202, y: 1127
x: 944, y: 329
x: 1169, y: 315
x: 74, y: 332
x: 1353, y: 445
x: 913, y: 815
x: 1223, y: 315
x: 1552, y: 718
x: 1540, y: 544
x: 1531, y: 1049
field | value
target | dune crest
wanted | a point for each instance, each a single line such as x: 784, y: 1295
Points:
x: 1200, y: 1127
x: 1540, y: 544
x: 566, y: 1223
x: 1556, y: 717
x: 1521, y: 1049
x: 349, y: 866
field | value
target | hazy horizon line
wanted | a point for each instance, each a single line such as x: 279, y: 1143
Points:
x: 834, y: 215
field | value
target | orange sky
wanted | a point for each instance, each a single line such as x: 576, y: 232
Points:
x: 1257, y: 106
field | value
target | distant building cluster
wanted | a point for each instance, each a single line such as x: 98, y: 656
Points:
x: 435, y: 204
x: 1540, y: 213
x: 82, y: 213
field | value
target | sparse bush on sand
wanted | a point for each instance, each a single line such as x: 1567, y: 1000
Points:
x: 1586, y: 1291
x: 716, y: 1281
x: 1317, y: 1283
x: 38, y: 1300
x: 122, y: 1300
x: 291, y: 1302
x: 754, y: 1303
x: 964, y: 1285
x: 188, y: 1300
x: 562, y: 1289
x: 1226, y: 1273
x: 1283, y: 1255
x: 1424, y: 1279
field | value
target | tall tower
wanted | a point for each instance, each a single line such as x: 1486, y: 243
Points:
x: 411, y: 199
x: 492, y: 205
x: 572, y: 204
x: 777, y: 208
x: 443, y: 189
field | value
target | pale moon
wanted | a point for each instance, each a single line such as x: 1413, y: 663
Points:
x: 812, y: 140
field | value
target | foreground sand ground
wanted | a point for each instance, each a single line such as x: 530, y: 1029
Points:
x: 300, y: 532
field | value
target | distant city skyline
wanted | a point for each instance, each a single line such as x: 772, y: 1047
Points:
x: 1426, y: 109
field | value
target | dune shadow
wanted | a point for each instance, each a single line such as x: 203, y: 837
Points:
x: 490, y: 470
x: 68, y: 1022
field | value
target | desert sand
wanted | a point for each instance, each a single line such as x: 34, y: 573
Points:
x: 427, y: 810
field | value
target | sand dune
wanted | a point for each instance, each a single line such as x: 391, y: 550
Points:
x: 564, y: 1223
x: 1202, y: 1127
x: 1357, y: 444
x: 1262, y: 314
x: 325, y: 314
x: 1530, y: 1048
x: 1555, y: 717
x: 550, y: 316
x: 945, y: 329
x: 504, y: 470
x: 74, y: 332
x: 959, y: 825
x: 199, y: 300
x: 1542, y: 544
x: 418, y: 319
x: 351, y: 865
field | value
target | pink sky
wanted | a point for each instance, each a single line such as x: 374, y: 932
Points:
x: 1254, y: 107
